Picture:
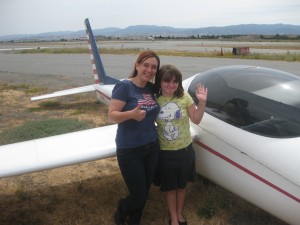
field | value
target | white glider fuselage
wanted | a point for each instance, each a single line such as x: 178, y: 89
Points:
x: 228, y: 157
x: 262, y: 170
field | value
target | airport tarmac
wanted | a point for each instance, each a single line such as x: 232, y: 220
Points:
x: 120, y: 66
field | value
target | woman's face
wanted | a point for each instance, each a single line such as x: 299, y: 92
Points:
x: 147, y: 69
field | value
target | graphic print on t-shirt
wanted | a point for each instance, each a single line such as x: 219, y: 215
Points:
x: 168, y: 113
x: 146, y: 101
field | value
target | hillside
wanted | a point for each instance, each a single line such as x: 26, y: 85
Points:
x: 152, y: 30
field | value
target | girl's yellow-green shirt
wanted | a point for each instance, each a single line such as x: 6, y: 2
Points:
x: 173, y: 122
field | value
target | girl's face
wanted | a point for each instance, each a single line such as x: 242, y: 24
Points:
x: 147, y: 69
x: 168, y: 88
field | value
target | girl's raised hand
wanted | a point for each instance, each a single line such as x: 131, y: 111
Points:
x: 201, y: 92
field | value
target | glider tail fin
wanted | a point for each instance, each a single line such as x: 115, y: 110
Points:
x: 97, y: 65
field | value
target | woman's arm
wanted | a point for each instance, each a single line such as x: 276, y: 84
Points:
x: 116, y: 115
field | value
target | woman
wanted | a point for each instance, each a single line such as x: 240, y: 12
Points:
x: 134, y: 108
x: 177, y: 157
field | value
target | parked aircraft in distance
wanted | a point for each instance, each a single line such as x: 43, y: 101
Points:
x: 248, y: 140
x: 151, y: 38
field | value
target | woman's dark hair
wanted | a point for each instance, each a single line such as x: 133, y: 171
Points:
x: 167, y: 73
x: 142, y: 57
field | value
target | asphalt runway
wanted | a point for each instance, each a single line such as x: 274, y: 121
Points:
x: 120, y: 66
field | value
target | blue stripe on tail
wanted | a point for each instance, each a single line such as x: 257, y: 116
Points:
x: 103, y: 78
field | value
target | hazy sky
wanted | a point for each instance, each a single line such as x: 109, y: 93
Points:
x: 39, y: 16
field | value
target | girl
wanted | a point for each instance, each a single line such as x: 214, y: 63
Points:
x: 177, y: 157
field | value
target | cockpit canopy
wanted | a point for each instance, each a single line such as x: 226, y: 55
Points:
x: 259, y: 100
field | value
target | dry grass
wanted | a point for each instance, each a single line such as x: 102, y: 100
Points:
x: 87, y: 193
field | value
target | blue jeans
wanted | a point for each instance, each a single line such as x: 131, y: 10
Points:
x: 137, y: 166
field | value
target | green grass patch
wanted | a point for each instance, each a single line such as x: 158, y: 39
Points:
x: 39, y: 129
x: 46, y: 105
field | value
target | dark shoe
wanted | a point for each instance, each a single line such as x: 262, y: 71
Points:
x: 119, y: 218
x: 133, y: 223
x: 182, y: 223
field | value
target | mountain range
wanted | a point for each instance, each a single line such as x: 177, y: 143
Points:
x: 164, y: 31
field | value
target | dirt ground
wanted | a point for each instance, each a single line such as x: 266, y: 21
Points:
x: 87, y: 193
x: 15, y: 105
x: 52, y: 82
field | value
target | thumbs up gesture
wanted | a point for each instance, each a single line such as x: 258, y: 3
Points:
x: 138, y: 113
